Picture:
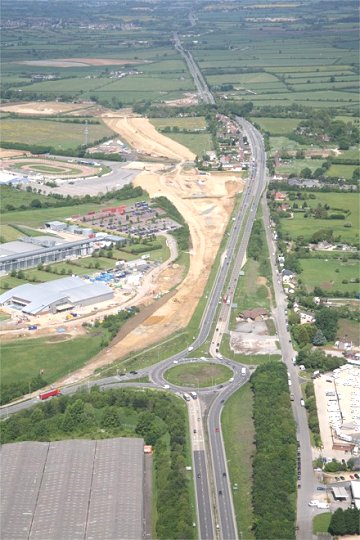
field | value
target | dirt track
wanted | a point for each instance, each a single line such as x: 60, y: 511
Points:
x: 45, y: 108
x: 205, y: 202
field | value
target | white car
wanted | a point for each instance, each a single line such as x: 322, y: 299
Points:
x: 175, y: 361
x: 313, y: 503
x: 166, y: 386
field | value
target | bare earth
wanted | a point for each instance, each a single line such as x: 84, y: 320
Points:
x: 76, y: 62
x: 48, y: 107
x: 5, y: 153
x: 205, y: 202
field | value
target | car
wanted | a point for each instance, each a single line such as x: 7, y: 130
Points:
x: 313, y: 503
x: 342, y: 477
x: 337, y: 478
x: 133, y: 372
x: 321, y: 488
x: 352, y: 477
x: 220, y: 492
x: 222, y: 401
x: 224, y: 473
x: 175, y: 361
x: 198, y: 475
x: 356, y: 476
x: 217, y: 429
x: 166, y: 386
x: 194, y: 431
x: 221, y: 386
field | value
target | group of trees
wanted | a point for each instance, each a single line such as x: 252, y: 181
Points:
x: 316, y: 359
x: 313, y: 421
x: 157, y: 417
x: 274, y: 464
x: 345, y: 522
x: 323, y: 330
x: 257, y: 248
x: 322, y: 127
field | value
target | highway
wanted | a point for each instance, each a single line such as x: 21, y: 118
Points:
x: 199, y: 80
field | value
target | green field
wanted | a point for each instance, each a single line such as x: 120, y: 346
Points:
x: 199, y: 143
x: 300, y: 226
x: 59, y: 135
x: 23, y: 359
x: 321, y: 522
x: 329, y: 274
x: 188, y: 122
x: 239, y: 434
x: 342, y: 171
x: 277, y: 126
x: 198, y: 375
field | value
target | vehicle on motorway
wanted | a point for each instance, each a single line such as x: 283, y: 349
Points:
x: 224, y: 473
x: 191, y: 348
x: 166, y: 386
x: 198, y: 475
x: 243, y: 371
x: 220, y: 492
x: 50, y: 393
x: 217, y: 429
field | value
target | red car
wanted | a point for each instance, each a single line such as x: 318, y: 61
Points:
x: 217, y: 429
x: 352, y: 477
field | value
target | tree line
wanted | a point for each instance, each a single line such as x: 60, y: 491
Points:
x: 159, y: 418
x: 274, y: 466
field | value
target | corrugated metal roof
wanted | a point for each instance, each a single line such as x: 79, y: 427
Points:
x: 39, y: 297
x: 73, y: 489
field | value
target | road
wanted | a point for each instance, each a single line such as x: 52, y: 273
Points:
x: 199, y: 80
x: 306, y: 481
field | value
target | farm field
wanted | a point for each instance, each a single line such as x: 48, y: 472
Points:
x: 342, y: 171
x: 330, y: 275
x: 277, y: 126
x: 59, y: 135
x: 190, y: 122
x: 289, y: 166
x: 198, y: 143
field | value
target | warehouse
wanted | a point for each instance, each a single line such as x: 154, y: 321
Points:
x: 73, y: 489
x: 54, y: 296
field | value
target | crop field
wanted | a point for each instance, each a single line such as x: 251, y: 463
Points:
x: 60, y: 135
x: 330, y: 275
x: 199, y: 143
x: 300, y: 226
x: 284, y: 144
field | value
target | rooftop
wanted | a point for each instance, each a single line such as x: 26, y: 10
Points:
x: 73, y: 489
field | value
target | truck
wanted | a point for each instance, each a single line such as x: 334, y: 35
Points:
x: 49, y: 393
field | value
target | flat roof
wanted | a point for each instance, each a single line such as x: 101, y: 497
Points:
x: 355, y: 488
x: 340, y: 492
x: 72, y: 489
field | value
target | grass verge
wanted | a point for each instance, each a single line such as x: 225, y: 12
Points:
x: 198, y: 375
x: 238, y: 431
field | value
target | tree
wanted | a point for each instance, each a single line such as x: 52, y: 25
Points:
x: 337, y: 523
x: 111, y: 418
x: 319, y: 338
x: 35, y: 203
x: 327, y: 322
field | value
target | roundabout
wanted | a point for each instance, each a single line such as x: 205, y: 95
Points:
x: 198, y: 374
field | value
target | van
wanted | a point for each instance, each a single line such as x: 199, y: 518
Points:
x: 302, y: 402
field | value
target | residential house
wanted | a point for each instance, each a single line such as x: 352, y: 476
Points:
x: 279, y: 196
x: 287, y: 275
x: 344, y: 344
x: 306, y: 318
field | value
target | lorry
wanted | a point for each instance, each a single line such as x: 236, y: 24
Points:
x: 49, y: 393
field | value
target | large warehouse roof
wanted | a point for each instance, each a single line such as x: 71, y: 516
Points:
x: 72, y: 489
x: 37, y: 298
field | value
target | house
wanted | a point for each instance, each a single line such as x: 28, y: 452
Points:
x: 344, y: 344
x: 256, y: 314
x: 306, y: 318
x: 287, y: 275
x: 279, y: 196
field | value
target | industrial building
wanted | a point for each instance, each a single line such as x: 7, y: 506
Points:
x: 355, y: 490
x: 54, y: 296
x: 73, y: 489
x: 29, y: 252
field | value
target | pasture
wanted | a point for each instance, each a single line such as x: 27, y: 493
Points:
x: 189, y: 122
x: 277, y: 126
x: 346, y: 230
x: 59, y: 135
x: 330, y: 274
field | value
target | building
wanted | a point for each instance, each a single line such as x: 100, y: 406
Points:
x: 56, y: 225
x: 355, y: 490
x: 53, y: 296
x: 73, y: 489
x: 256, y: 314
x: 9, y: 178
x: 340, y: 493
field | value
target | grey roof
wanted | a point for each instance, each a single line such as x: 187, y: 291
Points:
x: 39, y: 297
x: 72, y: 489
x: 17, y: 247
x: 55, y: 223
